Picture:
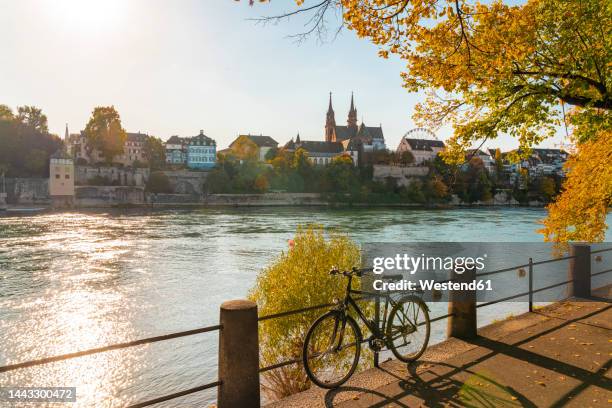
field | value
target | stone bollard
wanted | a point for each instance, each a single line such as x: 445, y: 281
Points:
x: 238, y: 355
x: 462, y: 308
x: 580, y: 271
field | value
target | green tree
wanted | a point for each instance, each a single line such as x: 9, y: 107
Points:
x: 341, y: 175
x: 36, y: 161
x: 159, y: 183
x: 105, y: 133
x: 271, y: 154
x: 261, y: 184
x: 219, y: 181
x: 155, y: 153
x: 298, y: 278
x: 33, y: 117
x: 547, y: 188
x: 406, y: 157
x: 24, y: 149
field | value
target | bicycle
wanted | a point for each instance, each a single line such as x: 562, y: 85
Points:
x: 332, y: 345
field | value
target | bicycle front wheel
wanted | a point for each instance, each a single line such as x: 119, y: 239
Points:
x: 331, y: 349
x: 408, y: 327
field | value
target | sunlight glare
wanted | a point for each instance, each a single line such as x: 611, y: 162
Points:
x: 84, y: 15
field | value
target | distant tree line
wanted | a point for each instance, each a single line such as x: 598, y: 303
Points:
x: 25, y: 142
x: 342, y: 181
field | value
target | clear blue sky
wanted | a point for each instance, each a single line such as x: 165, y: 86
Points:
x: 175, y: 67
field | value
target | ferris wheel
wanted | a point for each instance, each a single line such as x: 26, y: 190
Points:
x: 421, y: 134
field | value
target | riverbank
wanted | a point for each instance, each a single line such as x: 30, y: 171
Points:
x: 89, y: 197
x: 536, y: 359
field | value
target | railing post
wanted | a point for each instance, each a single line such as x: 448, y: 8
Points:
x: 462, y: 309
x: 238, y: 355
x: 377, y: 324
x: 530, y: 285
x: 580, y: 270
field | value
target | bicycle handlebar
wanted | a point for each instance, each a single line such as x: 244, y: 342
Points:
x: 353, y: 272
x: 359, y: 273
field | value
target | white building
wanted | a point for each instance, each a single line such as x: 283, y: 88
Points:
x: 423, y: 150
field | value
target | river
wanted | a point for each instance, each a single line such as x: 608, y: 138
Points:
x: 76, y: 280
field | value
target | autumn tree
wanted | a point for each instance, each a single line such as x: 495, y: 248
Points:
x: 6, y: 113
x: 244, y: 148
x: 579, y: 213
x: 105, y: 133
x: 492, y: 68
x: 33, y: 117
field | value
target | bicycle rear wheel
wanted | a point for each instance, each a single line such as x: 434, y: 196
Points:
x: 331, y: 350
x: 408, y: 328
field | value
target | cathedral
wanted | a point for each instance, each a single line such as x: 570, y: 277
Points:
x: 370, y: 137
x: 352, y: 140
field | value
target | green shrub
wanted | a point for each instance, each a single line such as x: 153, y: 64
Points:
x: 296, y: 279
x: 159, y: 183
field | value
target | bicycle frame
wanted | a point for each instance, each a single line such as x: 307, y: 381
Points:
x: 374, y: 326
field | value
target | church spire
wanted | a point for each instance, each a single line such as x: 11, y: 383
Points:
x: 330, y: 122
x: 66, y: 134
x: 352, y: 116
x: 297, y: 139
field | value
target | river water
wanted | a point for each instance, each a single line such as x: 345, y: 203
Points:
x: 72, y: 281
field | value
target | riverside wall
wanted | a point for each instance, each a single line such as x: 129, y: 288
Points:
x: 268, y: 199
x: 27, y: 191
x: 402, y: 175
x: 108, y: 196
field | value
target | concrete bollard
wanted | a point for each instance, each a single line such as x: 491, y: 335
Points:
x: 238, y: 355
x: 580, y: 271
x: 462, y: 309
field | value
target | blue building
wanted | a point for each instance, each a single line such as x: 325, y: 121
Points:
x: 201, y: 152
x: 198, y: 152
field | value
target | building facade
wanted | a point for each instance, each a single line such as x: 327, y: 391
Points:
x: 422, y: 150
x: 319, y: 152
x: 176, y: 150
x: 197, y: 152
x: 134, y: 149
x: 61, y: 178
x: 201, y: 152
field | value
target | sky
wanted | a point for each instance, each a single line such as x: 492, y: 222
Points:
x: 175, y: 67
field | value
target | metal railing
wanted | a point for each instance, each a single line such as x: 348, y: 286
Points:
x: 219, y: 328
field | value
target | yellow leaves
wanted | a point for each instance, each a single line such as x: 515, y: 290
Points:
x: 299, y: 277
x: 580, y: 211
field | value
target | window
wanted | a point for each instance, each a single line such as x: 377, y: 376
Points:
x: 67, y: 176
x: 57, y: 176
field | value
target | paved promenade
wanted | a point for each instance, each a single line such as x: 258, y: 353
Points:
x: 557, y: 356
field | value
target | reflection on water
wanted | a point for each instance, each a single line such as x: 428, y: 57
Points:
x: 72, y: 281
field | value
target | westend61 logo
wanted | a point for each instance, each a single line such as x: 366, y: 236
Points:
x: 412, y: 264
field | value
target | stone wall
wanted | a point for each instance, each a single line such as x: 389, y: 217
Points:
x: 173, y: 199
x: 401, y: 175
x: 121, y: 176
x: 25, y: 191
x: 187, y: 182
x: 269, y: 199
x: 108, y: 196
